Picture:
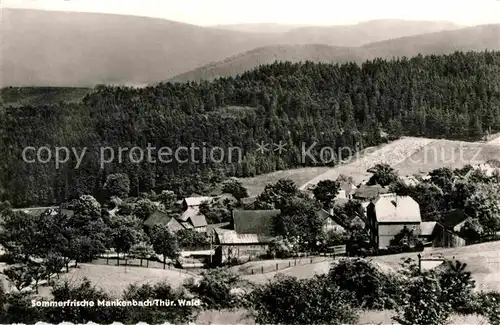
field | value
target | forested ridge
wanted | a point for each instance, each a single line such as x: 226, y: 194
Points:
x: 453, y: 96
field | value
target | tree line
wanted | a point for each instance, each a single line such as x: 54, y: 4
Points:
x: 451, y: 96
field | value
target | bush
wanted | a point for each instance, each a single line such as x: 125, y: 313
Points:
x: 371, y: 288
x: 286, y: 300
x: 488, y: 305
x: 214, y: 289
x: 423, y: 303
x: 156, y: 314
x: 16, y: 308
x: 280, y: 248
x: 457, y: 285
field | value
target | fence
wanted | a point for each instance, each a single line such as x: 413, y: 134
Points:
x: 270, y: 266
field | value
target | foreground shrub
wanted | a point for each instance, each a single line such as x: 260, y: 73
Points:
x: 286, y: 300
x: 215, y: 289
x: 371, y: 288
x: 424, y: 303
x: 457, y: 285
x: 157, y: 314
x: 16, y: 308
x: 488, y: 305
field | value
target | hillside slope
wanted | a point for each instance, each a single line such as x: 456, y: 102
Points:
x: 238, y: 64
x: 408, y: 156
x: 83, y: 49
x: 465, y: 39
x: 49, y: 48
x: 365, y: 32
x: 478, y: 38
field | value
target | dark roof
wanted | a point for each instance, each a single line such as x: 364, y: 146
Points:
x: 369, y: 192
x: 323, y: 214
x: 161, y: 217
x: 258, y: 222
x: 453, y: 218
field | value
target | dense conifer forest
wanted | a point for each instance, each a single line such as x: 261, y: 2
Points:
x: 453, y: 96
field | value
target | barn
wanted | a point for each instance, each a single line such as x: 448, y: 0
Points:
x: 249, y: 236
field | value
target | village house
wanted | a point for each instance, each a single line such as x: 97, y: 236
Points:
x: 410, y: 180
x: 162, y: 217
x: 195, y: 201
x: 251, y: 232
x: 388, y: 215
x: 331, y: 222
x: 348, y: 188
x: 334, y: 222
x: 365, y: 193
x: 193, y: 219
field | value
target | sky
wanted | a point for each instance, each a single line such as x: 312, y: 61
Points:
x: 294, y: 12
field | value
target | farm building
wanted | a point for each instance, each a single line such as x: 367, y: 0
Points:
x: 454, y: 220
x: 162, y: 217
x: 369, y: 192
x: 439, y: 236
x: 258, y: 222
x: 230, y: 245
x: 249, y: 237
x: 332, y: 223
x: 195, y: 201
x: 192, y: 218
x: 389, y: 215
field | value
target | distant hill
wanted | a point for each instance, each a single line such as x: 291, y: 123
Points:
x: 365, y: 32
x: 84, y: 49
x: 71, y: 49
x: 258, y: 28
x: 477, y: 38
x: 466, y: 39
x: 265, y: 55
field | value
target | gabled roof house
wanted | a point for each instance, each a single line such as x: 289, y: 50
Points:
x: 192, y: 218
x: 162, y: 217
x: 388, y: 215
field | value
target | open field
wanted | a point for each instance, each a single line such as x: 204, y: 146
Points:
x: 269, y: 266
x: 115, y: 279
x: 494, y: 139
x: 304, y: 271
x: 255, y: 185
x: 483, y: 261
x: 447, y: 153
x: 392, y: 153
x: 408, y: 155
